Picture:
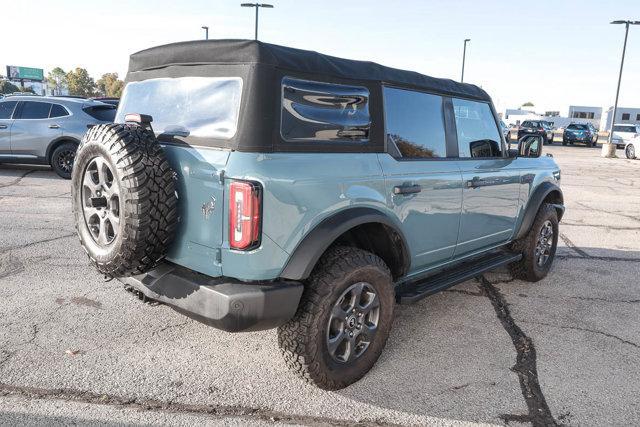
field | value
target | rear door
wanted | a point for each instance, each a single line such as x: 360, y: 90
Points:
x: 6, y: 121
x: 32, y: 130
x: 491, y: 183
x: 423, y: 186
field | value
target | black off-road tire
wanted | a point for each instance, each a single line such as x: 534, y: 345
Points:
x: 630, y: 152
x: 527, y: 268
x: 147, y: 198
x: 59, y: 159
x: 303, y: 340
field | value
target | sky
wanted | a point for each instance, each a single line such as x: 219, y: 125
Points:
x: 552, y: 53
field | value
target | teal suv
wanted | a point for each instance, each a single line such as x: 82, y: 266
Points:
x: 254, y: 186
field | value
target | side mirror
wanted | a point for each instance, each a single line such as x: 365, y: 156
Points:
x: 530, y: 146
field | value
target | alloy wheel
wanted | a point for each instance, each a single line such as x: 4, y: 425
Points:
x: 65, y: 160
x: 353, y: 322
x: 101, y: 202
x: 544, y: 243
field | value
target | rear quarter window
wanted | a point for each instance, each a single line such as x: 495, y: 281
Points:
x: 320, y: 111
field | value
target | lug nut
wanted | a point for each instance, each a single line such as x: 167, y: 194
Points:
x: 351, y: 334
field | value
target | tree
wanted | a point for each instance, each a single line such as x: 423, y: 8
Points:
x: 57, y: 79
x: 7, y: 87
x: 109, y: 85
x: 80, y: 83
x: 528, y: 104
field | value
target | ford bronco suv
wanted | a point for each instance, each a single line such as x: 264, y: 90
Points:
x: 254, y: 186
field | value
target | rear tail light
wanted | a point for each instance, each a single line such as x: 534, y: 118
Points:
x: 245, y: 214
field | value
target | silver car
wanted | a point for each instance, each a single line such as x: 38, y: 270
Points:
x: 47, y: 130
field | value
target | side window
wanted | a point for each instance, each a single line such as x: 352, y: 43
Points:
x: 35, y: 110
x: 318, y: 111
x: 478, y: 134
x: 415, y: 123
x: 6, y: 109
x: 58, y: 110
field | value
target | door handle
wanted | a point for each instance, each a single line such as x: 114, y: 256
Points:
x: 407, y: 189
x: 3, y: 126
x: 54, y: 127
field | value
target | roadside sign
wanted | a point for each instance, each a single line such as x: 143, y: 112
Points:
x: 25, y: 73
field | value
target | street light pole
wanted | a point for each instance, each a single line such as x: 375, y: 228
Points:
x: 206, y: 32
x: 257, y: 6
x: 464, y: 57
x: 624, y: 50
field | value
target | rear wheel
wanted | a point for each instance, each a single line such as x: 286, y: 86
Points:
x: 343, y: 321
x: 62, y: 159
x: 538, y: 247
x: 630, y: 152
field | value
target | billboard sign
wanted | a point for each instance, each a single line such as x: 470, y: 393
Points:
x: 25, y: 73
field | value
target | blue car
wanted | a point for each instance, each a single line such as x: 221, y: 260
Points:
x: 254, y: 186
x: 581, y: 133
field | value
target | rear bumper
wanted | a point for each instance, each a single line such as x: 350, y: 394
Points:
x: 223, y: 303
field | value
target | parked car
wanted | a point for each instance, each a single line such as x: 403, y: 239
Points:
x: 632, y: 148
x: 625, y: 132
x: 297, y: 209
x: 578, y: 132
x: 108, y: 100
x: 535, y: 127
x: 505, y: 131
x: 548, y: 127
x: 47, y: 130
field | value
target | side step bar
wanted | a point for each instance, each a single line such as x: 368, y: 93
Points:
x: 411, y: 292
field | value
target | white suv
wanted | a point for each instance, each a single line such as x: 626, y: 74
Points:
x: 623, y: 133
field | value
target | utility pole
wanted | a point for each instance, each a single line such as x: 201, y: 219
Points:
x: 464, y: 57
x: 624, y: 50
x: 257, y: 6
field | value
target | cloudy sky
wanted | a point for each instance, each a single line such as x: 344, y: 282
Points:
x: 552, y: 53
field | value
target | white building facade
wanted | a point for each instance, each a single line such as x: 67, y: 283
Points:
x: 623, y: 115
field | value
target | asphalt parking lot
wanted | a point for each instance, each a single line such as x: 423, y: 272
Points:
x: 566, y: 350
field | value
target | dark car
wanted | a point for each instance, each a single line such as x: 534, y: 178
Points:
x: 535, y: 127
x: 578, y: 132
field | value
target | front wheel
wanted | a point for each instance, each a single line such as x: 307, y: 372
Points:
x: 62, y: 159
x: 343, y: 320
x: 630, y: 152
x: 538, y: 247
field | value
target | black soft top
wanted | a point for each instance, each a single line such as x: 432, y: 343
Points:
x: 220, y: 52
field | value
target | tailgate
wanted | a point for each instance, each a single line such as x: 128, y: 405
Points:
x: 201, y: 205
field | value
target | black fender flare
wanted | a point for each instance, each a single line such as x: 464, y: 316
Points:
x: 533, y: 205
x: 54, y: 143
x: 318, y: 240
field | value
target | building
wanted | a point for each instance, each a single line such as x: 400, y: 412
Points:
x: 623, y: 115
x: 576, y: 114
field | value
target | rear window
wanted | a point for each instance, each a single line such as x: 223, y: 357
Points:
x: 206, y: 107
x: 578, y: 127
x: 35, y: 110
x: 624, y: 128
x: 319, y: 111
x: 105, y: 113
x: 415, y: 123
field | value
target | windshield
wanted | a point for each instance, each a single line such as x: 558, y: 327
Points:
x: 624, y: 128
x: 206, y: 107
x: 579, y: 127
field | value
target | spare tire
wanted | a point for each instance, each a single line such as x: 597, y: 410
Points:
x: 124, y: 199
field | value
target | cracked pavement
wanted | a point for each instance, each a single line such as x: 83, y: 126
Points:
x: 75, y: 349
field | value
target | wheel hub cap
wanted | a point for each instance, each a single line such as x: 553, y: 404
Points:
x: 353, y: 322
x: 101, y: 202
